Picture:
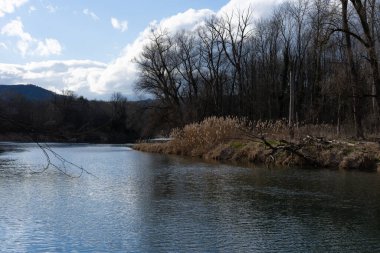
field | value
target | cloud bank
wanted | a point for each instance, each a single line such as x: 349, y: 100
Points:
x: 74, y: 75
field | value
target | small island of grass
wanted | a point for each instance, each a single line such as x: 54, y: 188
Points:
x: 269, y: 143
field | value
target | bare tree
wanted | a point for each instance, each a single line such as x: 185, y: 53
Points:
x: 119, y: 111
x: 233, y: 32
x: 158, y: 71
x: 366, y: 12
x: 356, y: 96
x: 310, y: 61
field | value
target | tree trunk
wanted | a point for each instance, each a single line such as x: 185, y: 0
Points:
x: 370, y: 45
x: 356, y: 96
x: 291, y: 100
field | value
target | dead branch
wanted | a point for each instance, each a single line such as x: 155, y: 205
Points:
x: 284, y: 145
x: 48, y: 152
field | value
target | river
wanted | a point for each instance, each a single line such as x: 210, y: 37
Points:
x: 140, y: 202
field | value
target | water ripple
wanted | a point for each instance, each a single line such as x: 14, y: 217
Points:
x: 154, y: 203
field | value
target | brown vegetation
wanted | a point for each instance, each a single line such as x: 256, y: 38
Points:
x: 231, y: 139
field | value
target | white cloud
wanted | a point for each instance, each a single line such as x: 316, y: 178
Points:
x: 9, y: 6
x: 91, y: 14
x: 119, y: 24
x: 23, y: 47
x: 32, y: 8
x: 3, y: 45
x: 51, y: 8
x: 16, y: 28
x: 27, y: 45
x: 184, y: 20
x: 259, y: 8
x: 48, y: 47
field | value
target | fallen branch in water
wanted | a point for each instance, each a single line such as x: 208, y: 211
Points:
x: 46, y: 149
x: 48, y: 152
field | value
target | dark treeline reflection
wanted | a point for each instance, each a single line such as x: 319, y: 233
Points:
x: 309, y: 61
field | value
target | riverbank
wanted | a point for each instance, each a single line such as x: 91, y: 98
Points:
x: 230, y: 140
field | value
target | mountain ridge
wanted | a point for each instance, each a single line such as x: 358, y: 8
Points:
x: 28, y: 91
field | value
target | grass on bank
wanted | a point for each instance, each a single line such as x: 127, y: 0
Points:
x: 267, y: 142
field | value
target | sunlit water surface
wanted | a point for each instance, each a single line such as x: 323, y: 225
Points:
x: 140, y: 202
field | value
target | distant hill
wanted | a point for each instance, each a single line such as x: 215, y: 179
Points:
x: 29, y: 91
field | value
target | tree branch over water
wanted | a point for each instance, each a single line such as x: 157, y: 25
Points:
x: 50, y: 154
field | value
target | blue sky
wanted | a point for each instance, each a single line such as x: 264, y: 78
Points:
x: 84, y: 28
x: 88, y: 45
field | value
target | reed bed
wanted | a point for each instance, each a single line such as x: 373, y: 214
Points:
x: 268, y: 142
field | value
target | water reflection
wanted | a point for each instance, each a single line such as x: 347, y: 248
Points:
x: 152, y: 203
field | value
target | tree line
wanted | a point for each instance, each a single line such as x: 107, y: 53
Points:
x: 69, y: 118
x: 308, y: 62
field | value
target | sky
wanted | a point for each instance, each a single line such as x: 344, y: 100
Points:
x: 88, y: 46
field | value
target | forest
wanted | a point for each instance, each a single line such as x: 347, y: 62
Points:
x: 309, y: 62
x: 72, y: 118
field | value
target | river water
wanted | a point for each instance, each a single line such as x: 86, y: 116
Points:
x: 140, y: 202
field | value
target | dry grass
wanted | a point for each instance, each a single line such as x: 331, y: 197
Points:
x: 197, y: 138
x: 225, y: 139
